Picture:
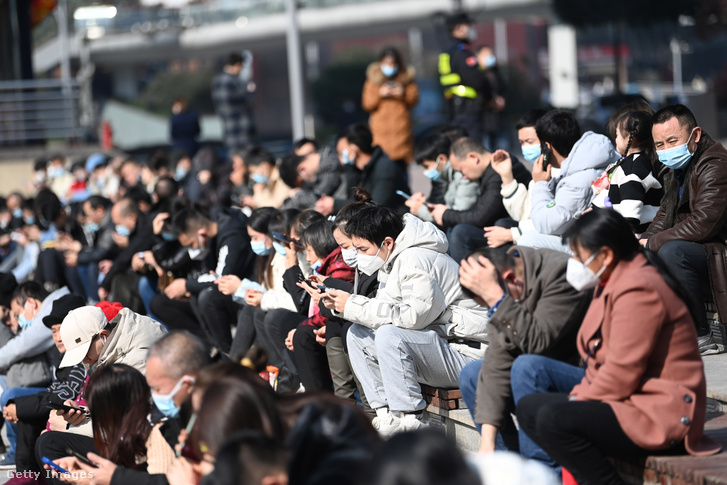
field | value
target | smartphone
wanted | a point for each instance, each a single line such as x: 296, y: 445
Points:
x: 283, y: 238
x: 322, y: 288
x: 57, y: 468
x: 546, y: 155
x: 403, y: 194
x: 81, y: 458
x: 63, y: 407
x: 302, y: 279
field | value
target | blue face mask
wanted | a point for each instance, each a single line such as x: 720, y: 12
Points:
x: 316, y: 266
x: 180, y: 173
x: 122, y: 230
x: 433, y: 173
x: 165, y: 402
x: 56, y: 172
x: 23, y: 322
x: 168, y: 236
x: 490, y: 61
x: 259, y: 248
x: 279, y: 248
x: 259, y: 179
x: 347, y: 160
x: 677, y: 157
x: 29, y: 221
x: 531, y: 152
x: 17, y: 213
x: 91, y: 227
x: 389, y: 71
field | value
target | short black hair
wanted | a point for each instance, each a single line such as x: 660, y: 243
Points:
x: 463, y: 146
x: 41, y: 163
x: 560, y: 128
x: 128, y: 206
x: 250, y: 454
x: 530, y: 118
x: 454, y: 133
x: 374, y: 224
x: 431, y: 146
x: 166, y: 188
x: 319, y: 236
x: 29, y: 289
x: 288, y: 169
x: 138, y: 193
x: 391, y: 51
x: 260, y: 219
x: 178, y: 155
x: 305, y: 219
x: 358, y: 134
x: 282, y: 224
x: 499, y: 257
x: 96, y: 201
x: 187, y: 221
x: 257, y: 155
x: 304, y: 141
x: 683, y: 114
x: 234, y: 58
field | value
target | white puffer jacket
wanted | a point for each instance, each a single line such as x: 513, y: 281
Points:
x: 419, y: 289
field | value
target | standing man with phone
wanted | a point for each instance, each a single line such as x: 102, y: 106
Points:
x: 581, y: 159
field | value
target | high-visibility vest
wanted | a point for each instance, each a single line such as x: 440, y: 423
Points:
x: 451, y: 81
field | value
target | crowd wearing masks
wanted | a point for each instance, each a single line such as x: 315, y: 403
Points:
x: 191, y: 318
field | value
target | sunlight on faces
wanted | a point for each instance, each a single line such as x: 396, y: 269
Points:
x: 440, y: 162
x: 671, y: 134
x: 364, y: 246
x: 344, y: 241
x: 259, y: 236
x: 528, y: 136
x: 310, y: 255
x: 605, y: 257
x: 56, y: 329
x: 622, y: 140
x: 472, y: 166
x: 94, y: 351
x: 160, y: 382
x: 95, y: 216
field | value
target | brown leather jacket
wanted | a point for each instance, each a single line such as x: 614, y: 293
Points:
x: 699, y: 214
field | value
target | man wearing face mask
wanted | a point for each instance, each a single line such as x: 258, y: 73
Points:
x: 223, y: 247
x: 420, y: 328
x: 689, y: 231
x: 465, y: 85
x: 533, y: 310
x: 133, y: 234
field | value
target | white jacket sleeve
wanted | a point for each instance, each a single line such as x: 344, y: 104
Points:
x: 551, y: 210
x: 420, y: 302
x: 277, y: 299
x: 515, y: 198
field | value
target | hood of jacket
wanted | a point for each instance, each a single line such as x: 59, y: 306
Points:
x: 418, y: 234
x: 374, y: 74
x: 591, y: 152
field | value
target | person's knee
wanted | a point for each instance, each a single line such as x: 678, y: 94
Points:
x: 672, y: 252
x: 389, y: 336
x: 302, y: 338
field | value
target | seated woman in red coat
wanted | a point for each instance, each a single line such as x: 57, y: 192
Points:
x: 643, y: 388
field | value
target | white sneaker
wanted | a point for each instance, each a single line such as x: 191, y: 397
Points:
x: 385, y: 423
x: 410, y: 422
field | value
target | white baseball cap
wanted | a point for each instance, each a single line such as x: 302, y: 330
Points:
x: 78, y: 331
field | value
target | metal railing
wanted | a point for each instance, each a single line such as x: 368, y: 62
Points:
x: 32, y: 111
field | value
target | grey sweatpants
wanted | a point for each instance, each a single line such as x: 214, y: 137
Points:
x: 392, y: 362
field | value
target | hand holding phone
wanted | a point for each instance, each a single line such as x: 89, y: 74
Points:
x: 403, y: 194
x: 65, y: 408
x: 57, y: 468
x: 81, y: 458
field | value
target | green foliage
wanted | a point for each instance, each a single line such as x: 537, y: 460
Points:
x: 583, y: 13
x: 166, y: 86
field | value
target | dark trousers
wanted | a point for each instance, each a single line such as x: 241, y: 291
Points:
x: 125, y: 290
x: 687, y: 261
x: 28, y: 432
x: 311, y: 360
x: 217, y: 313
x: 271, y: 334
x: 53, y: 273
x: 53, y: 445
x: 463, y: 239
x: 249, y: 318
x: 177, y: 315
x: 468, y: 114
x: 579, y: 435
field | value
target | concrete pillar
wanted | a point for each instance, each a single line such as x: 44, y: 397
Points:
x: 563, y: 64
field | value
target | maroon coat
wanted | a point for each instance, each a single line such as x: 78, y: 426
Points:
x: 640, y: 346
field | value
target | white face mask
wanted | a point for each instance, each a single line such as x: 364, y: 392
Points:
x: 350, y: 256
x: 371, y: 264
x: 200, y: 253
x: 580, y: 276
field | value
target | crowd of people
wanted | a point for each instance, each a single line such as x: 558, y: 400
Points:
x: 192, y: 319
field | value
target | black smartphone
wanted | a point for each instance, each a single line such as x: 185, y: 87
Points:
x: 279, y: 236
x: 64, y: 407
x: 81, y: 458
x: 546, y: 155
x: 322, y: 288
x: 302, y: 279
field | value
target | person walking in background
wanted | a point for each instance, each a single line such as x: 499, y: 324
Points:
x: 232, y: 103
x: 389, y: 93
x: 492, y: 124
x: 184, y: 127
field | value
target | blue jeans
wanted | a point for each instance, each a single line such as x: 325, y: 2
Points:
x: 531, y: 374
x: 88, y: 273
x: 147, y: 291
x: 507, y: 437
x: 12, y: 428
x: 463, y: 239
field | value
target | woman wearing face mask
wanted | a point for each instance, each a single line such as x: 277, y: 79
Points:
x: 270, y: 267
x: 449, y: 187
x: 389, y: 94
x: 419, y: 328
x: 330, y: 269
x: 643, y: 389
x: 268, y: 189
